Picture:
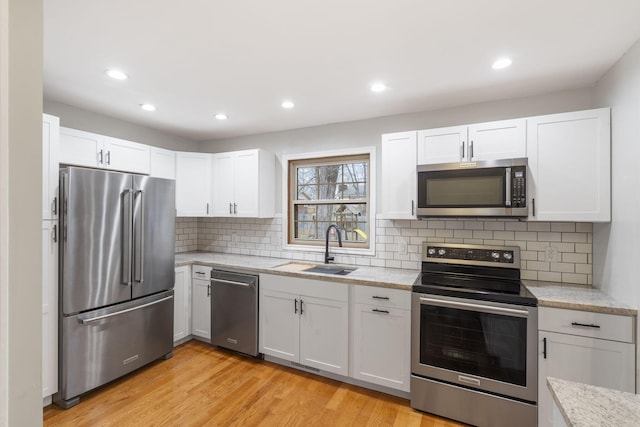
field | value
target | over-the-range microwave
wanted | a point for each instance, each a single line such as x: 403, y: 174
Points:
x: 491, y: 188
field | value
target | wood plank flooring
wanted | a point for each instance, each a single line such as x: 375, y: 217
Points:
x: 204, y: 386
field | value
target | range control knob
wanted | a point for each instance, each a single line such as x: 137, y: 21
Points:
x: 495, y: 255
x: 431, y: 251
x: 507, y: 255
x: 441, y: 252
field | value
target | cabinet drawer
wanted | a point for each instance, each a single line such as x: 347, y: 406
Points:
x: 201, y: 272
x: 587, y: 324
x: 385, y: 297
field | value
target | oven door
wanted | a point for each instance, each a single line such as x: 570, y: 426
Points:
x: 476, y: 344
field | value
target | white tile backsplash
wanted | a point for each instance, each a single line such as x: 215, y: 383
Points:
x: 263, y: 237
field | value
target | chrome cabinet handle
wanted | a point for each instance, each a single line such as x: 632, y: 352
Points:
x: 230, y: 208
x: 54, y: 207
x: 109, y: 157
x: 380, y: 311
x: 100, y: 161
x: 471, y: 150
x: 533, y: 204
x: 207, y: 208
x: 209, y: 290
x: 413, y: 212
x: 377, y: 297
x: 55, y: 233
x: 301, y: 307
x: 235, y: 209
x: 295, y: 306
x: 462, y: 151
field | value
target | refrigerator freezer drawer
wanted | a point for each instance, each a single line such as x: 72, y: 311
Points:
x: 102, y: 345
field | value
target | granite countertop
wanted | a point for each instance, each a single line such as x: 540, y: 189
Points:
x: 395, y: 278
x: 577, y: 297
x: 585, y: 405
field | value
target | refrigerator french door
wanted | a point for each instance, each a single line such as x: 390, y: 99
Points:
x: 116, y: 276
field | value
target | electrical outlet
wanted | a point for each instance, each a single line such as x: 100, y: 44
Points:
x: 551, y: 254
x: 402, y: 247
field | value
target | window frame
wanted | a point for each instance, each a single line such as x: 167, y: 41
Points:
x: 287, y: 201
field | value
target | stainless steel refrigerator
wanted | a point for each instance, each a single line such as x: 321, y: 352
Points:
x: 116, y: 276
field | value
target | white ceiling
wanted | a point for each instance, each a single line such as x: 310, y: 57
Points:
x: 194, y: 58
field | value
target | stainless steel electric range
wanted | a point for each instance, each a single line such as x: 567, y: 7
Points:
x: 474, y: 337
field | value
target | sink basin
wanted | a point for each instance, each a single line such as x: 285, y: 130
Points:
x: 326, y: 269
x: 317, y: 268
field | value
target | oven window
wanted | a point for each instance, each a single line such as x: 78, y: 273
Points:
x: 481, y: 344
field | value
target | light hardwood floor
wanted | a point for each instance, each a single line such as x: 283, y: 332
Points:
x: 204, y: 386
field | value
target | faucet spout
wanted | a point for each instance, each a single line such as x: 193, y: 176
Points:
x: 328, y: 258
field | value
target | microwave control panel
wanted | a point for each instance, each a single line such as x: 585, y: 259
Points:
x: 519, y: 187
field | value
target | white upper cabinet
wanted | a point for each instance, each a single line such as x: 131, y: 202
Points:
x: 50, y: 143
x: 126, y: 156
x: 398, y: 162
x: 82, y: 148
x: 193, y: 184
x: 244, y: 184
x: 504, y: 139
x: 442, y: 145
x: 163, y: 163
x: 570, y: 166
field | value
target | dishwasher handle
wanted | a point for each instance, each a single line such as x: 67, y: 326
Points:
x: 232, y: 282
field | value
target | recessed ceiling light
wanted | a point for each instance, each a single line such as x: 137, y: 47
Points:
x: 501, y: 63
x: 287, y: 104
x: 378, y: 87
x: 221, y: 116
x: 117, y: 74
x: 148, y: 107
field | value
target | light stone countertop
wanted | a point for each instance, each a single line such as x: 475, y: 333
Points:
x: 577, y: 297
x: 585, y: 405
x: 395, y: 278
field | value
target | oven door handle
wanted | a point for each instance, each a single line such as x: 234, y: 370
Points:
x: 477, y: 307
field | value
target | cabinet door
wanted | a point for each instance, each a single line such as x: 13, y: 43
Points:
x: 442, y: 145
x: 505, y: 139
x: 279, y: 325
x: 223, y: 173
x: 126, y: 156
x: 381, y: 346
x: 81, y: 148
x: 50, y: 166
x: 163, y: 163
x: 592, y: 361
x: 201, y: 309
x: 247, y: 184
x: 49, y: 308
x: 193, y: 184
x: 324, y: 334
x: 569, y: 162
x: 182, y: 304
x: 398, y: 161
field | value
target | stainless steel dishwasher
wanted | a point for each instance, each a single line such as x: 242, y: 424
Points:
x: 234, y: 311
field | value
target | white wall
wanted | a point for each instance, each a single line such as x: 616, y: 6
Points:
x: 616, y: 249
x: 364, y: 133
x: 89, y: 121
x: 20, y: 211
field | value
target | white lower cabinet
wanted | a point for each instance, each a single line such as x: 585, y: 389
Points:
x: 182, y: 304
x: 49, y: 308
x: 381, y: 339
x: 586, y: 347
x: 305, y: 321
x: 201, y: 302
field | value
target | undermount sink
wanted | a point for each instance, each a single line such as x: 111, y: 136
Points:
x: 337, y: 270
x: 326, y: 269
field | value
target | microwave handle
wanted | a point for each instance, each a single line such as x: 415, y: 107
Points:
x: 508, y: 186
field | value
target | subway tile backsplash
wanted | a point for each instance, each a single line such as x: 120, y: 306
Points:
x: 551, y: 251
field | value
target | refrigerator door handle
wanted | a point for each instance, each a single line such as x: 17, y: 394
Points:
x: 117, y: 313
x: 127, y: 219
x: 138, y: 243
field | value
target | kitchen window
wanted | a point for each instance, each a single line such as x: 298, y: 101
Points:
x: 331, y: 189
